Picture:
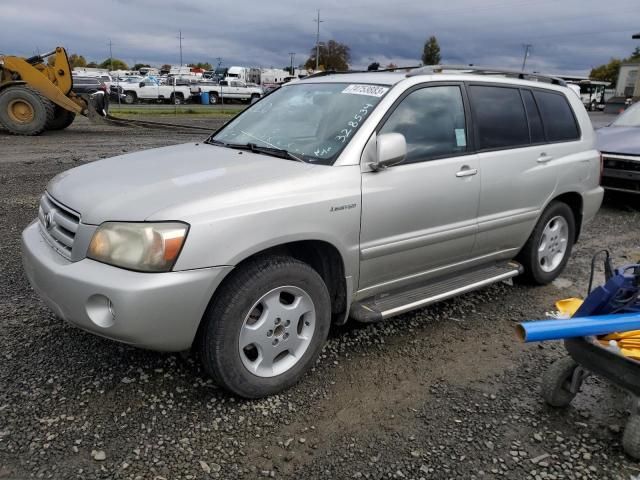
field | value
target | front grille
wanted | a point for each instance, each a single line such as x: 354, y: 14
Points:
x: 621, y: 172
x: 58, y: 224
x: 622, y: 164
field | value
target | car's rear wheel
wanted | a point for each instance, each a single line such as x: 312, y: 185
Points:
x: 265, y: 327
x: 548, y: 249
x: 213, y: 98
x: 129, y: 98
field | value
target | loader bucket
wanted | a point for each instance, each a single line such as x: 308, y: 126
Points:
x: 97, y: 107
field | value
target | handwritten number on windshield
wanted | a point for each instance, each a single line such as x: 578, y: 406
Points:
x: 357, y: 118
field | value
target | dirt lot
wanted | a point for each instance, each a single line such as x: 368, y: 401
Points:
x: 441, y: 393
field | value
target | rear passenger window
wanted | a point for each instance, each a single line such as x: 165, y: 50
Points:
x: 557, y: 116
x: 535, y: 122
x: 500, y: 117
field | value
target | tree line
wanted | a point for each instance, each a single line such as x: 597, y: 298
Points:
x: 336, y: 56
x: 609, y: 71
x: 332, y: 55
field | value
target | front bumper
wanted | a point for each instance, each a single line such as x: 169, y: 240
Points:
x: 621, y: 173
x: 159, y: 311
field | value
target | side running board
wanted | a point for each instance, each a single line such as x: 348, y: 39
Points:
x: 395, y: 302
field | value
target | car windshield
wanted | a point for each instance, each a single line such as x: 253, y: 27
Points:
x: 629, y: 118
x: 311, y: 121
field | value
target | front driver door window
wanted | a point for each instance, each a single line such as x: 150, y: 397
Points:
x: 432, y: 121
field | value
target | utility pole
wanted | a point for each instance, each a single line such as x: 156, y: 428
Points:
x: 180, y: 37
x: 110, y: 56
x: 292, y: 55
x: 318, y: 22
x: 111, y: 69
x: 527, y: 47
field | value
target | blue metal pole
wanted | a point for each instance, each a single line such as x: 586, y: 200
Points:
x: 537, y: 331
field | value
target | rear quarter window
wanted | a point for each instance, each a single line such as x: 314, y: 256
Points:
x: 501, y: 121
x: 557, y: 116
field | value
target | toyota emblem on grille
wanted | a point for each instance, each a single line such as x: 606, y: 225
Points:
x: 48, y: 220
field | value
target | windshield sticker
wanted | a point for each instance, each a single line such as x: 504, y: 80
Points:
x: 461, y: 138
x: 370, y: 90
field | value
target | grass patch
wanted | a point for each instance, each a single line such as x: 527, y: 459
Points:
x: 226, y: 112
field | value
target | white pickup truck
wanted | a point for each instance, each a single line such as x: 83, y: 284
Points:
x: 150, y: 89
x: 227, y: 90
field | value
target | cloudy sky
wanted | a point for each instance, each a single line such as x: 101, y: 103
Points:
x: 568, y: 36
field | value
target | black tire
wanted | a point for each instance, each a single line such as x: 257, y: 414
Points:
x: 631, y: 437
x: 213, y: 98
x: 218, y: 338
x: 177, y: 99
x: 130, y: 98
x: 61, y: 119
x: 556, y: 382
x: 41, y: 110
x: 528, y: 256
x: 254, y: 98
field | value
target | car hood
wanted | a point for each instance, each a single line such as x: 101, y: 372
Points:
x: 623, y: 140
x: 133, y: 187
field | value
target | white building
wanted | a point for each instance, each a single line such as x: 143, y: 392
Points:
x: 628, y: 80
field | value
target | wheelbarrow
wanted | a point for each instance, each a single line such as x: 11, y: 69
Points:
x: 587, y: 356
x: 562, y: 381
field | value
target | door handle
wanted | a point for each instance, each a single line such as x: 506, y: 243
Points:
x: 465, y: 171
x: 544, y: 158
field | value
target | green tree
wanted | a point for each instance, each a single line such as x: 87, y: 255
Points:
x: 373, y: 66
x: 166, y: 68
x: 203, y: 65
x: 138, y: 66
x: 607, y: 72
x: 76, y: 60
x: 431, y: 52
x: 333, y: 56
x: 117, y: 64
x: 92, y: 65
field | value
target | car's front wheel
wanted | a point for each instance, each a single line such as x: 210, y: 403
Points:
x: 265, y: 326
x: 548, y: 249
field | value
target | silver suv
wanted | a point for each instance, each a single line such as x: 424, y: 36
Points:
x: 358, y: 195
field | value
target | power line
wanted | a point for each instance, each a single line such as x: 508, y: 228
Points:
x: 292, y: 55
x: 180, y: 37
x: 318, y: 22
x: 110, y: 55
x: 527, y: 47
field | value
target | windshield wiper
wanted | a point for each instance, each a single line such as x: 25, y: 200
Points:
x: 274, y: 152
x: 213, y: 141
x: 252, y: 147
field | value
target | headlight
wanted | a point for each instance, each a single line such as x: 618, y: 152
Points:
x: 146, y: 247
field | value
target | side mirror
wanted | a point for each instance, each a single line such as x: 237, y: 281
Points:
x: 142, y: 84
x: 391, y: 149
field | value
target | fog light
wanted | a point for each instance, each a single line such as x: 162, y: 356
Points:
x: 101, y: 311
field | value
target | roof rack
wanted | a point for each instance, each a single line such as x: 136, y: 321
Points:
x: 433, y: 69
x: 334, y: 72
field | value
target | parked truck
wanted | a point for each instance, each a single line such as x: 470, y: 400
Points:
x: 149, y: 89
x: 228, y: 90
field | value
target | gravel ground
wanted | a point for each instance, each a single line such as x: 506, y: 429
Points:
x: 441, y: 393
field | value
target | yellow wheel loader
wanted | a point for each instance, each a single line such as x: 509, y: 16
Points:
x: 35, y: 97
